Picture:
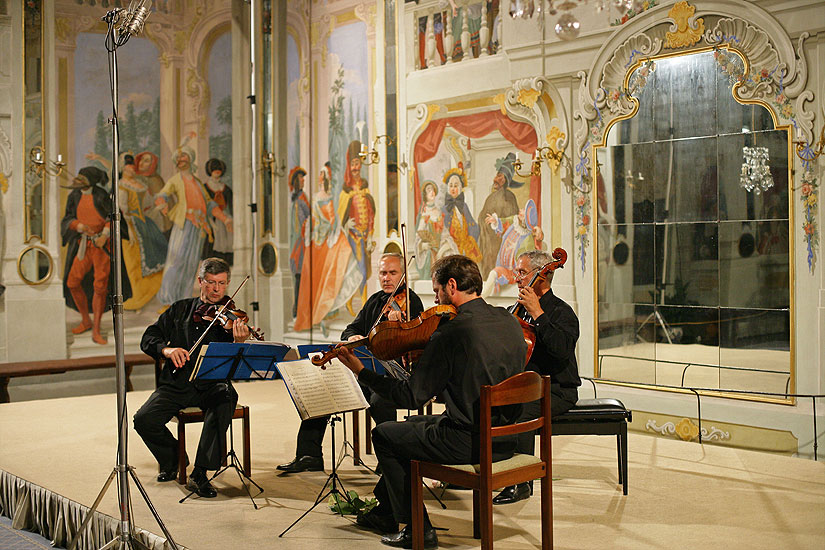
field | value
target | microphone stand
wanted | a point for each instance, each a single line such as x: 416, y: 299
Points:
x: 130, y: 22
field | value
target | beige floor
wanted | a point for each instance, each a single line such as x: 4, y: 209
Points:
x: 682, y: 495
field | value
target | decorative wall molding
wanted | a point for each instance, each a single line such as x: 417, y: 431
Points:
x: 686, y: 430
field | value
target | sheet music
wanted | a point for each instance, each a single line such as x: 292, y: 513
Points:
x: 319, y: 392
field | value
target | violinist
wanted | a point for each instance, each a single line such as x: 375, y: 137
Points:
x: 482, y: 345
x: 386, y: 304
x: 557, y: 330
x: 171, y: 338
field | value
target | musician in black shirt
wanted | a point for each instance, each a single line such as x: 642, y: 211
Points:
x: 308, y: 454
x: 171, y: 337
x: 482, y: 345
x: 557, y: 330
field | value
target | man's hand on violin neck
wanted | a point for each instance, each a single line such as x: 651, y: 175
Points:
x: 179, y: 356
x: 240, y: 331
x: 349, y: 359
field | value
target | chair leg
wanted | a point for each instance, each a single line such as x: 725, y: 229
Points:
x: 486, y: 517
x: 547, y: 511
x: 417, y: 501
x: 476, y: 515
x: 247, y: 452
x: 624, y: 457
x: 368, y: 432
x: 181, y: 451
x: 356, y: 438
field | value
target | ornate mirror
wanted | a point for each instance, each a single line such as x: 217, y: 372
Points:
x: 267, y: 259
x: 34, y: 265
x: 33, y: 211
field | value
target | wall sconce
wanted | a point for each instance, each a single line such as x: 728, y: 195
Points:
x: 371, y: 156
x: 542, y: 154
x: 40, y: 165
x: 268, y: 159
x: 812, y: 152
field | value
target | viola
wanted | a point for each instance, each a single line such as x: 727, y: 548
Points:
x: 391, y: 339
x: 226, y: 318
x: 518, y: 310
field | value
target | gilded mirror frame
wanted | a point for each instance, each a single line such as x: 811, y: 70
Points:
x: 20, y: 259
x: 605, y: 100
x: 35, y: 176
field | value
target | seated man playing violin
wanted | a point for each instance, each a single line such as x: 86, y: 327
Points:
x: 482, y: 345
x: 171, y: 337
x: 554, y: 354
x: 389, y: 303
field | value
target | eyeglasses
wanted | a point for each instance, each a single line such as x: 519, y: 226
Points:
x: 521, y: 274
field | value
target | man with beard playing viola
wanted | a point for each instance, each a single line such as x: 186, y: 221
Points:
x: 482, y: 345
x: 171, y: 337
x: 308, y: 455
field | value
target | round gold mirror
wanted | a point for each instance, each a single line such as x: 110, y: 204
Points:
x: 34, y: 265
x: 267, y: 259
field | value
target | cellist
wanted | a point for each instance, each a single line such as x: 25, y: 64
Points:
x: 554, y: 354
x: 388, y: 304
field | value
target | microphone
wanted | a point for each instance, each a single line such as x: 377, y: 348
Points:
x: 132, y: 23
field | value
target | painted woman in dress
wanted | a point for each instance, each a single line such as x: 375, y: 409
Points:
x: 461, y: 231
x: 145, y: 252
x: 428, y: 230
x: 219, y: 213
x: 146, y: 170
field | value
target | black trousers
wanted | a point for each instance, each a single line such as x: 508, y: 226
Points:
x: 561, y: 400
x: 217, y: 400
x: 423, y: 437
x: 311, y: 432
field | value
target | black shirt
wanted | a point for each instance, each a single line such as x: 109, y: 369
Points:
x: 176, y: 328
x: 557, y: 330
x: 371, y: 311
x: 482, y: 345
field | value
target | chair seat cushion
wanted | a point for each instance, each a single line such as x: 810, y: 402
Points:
x: 516, y: 461
x: 594, y: 409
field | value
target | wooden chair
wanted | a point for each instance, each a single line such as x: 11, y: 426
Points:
x: 194, y: 414
x: 487, y: 476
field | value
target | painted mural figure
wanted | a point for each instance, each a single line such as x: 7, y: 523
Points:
x: 428, y: 229
x: 144, y: 253
x: 219, y: 214
x: 85, y: 230
x: 460, y: 228
x: 190, y: 228
x: 356, y: 210
x: 325, y: 263
x: 501, y: 202
x: 146, y: 166
x: 520, y: 233
x: 298, y: 228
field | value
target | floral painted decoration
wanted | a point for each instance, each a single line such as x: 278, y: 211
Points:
x: 732, y: 65
x: 631, y: 13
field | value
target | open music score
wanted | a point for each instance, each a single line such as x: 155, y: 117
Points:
x: 321, y: 392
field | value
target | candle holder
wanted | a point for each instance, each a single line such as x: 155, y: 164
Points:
x: 371, y: 156
x: 39, y: 164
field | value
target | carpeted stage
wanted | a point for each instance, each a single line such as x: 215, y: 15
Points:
x: 682, y: 495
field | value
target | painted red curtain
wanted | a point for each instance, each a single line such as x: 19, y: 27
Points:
x: 520, y: 134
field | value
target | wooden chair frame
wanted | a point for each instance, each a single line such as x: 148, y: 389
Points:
x: 193, y: 414
x: 521, y: 388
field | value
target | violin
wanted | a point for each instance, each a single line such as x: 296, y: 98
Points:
x: 518, y: 309
x: 391, y: 339
x: 226, y: 318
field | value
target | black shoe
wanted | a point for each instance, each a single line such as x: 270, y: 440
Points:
x: 383, y: 523
x: 403, y: 538
x: 201, y: 486
x: 169, y: 474
x: 513, y: 493
x: 303, y: 464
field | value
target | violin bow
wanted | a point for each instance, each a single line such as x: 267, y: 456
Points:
x: 218, y: 314
x: 407, y: 286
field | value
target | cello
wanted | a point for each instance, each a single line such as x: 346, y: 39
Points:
x: 518, y: 309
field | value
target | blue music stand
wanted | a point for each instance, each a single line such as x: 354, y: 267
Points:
x: 229, y: 361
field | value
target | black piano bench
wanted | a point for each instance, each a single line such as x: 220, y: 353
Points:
x: 598, y: 417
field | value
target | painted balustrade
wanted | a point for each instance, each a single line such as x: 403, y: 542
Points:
x: 458, y: 32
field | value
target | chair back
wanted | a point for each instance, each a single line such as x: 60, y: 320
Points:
x: 524, y: 387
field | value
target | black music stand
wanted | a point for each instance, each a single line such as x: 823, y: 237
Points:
x: 333, y: 480
x: 229, y: 361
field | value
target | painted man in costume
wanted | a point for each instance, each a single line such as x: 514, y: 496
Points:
x: 356, y: 210
x: 520, y: 233
x: 298, y: 228
x: 501, y: 202
x: 190, y: 228
x: 85, y: 229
